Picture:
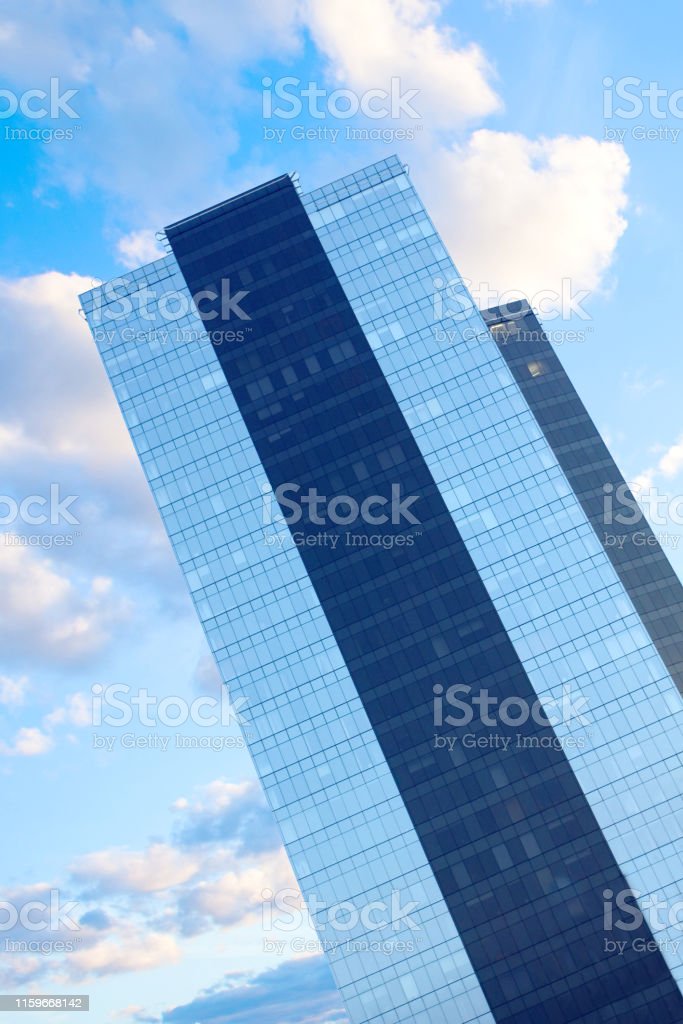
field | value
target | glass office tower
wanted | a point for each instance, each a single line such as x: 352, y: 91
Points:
x: 466, y: 734
x: 631, y: 544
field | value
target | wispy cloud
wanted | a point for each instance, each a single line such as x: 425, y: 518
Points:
x: 667, y: 467
x: 224, y: 811
x: 641, y: 382
x: 135, y: 907
x: 13, y: 690
x: 28, y: 742
x: 296, y: 992
x: 157, y: 868
x: 49, y: 611
x: 139, y: 247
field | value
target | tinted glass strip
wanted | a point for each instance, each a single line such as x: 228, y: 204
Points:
x: 631, y: 545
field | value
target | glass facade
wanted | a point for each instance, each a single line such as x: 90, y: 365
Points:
x: 345, y: 827
x: 432, y: 539
x: 631, y: 545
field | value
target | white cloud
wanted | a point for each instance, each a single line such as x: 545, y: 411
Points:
x: 76, y: 711
x: 139, y: 247
x: 127, y: 952
x: 201, y: 886
x: 368, y: 44
x: 134, y: 86
x: 48, y: 613
x: 643, y: 481
x: 235, y: 896
x: 639, y: 382
x: 228, y: 813
x: 516, y: 213
x: 141, y: 40
x: 152, y: 132
x: 60, y: 424
x: 206, y: 677
x: 119, y: 870
x: 524, y: 215
x: 669, y: 466
x: 59, y: 402
x: 28, y: 742
x: 12, y: 691
x: 31, y: 741
x: 133, y: 906
x: 30, y: 587
x: 215, y: 796
x: 108, y: 946
x: 14, y: 444
x: 671, y: 462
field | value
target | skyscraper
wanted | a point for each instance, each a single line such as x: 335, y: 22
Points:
x: 455, y: 706
x: 632, y: 546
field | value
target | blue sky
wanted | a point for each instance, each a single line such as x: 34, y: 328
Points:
x: 534, y: 185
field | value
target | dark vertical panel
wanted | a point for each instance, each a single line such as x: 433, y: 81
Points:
x: 631, y: 545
